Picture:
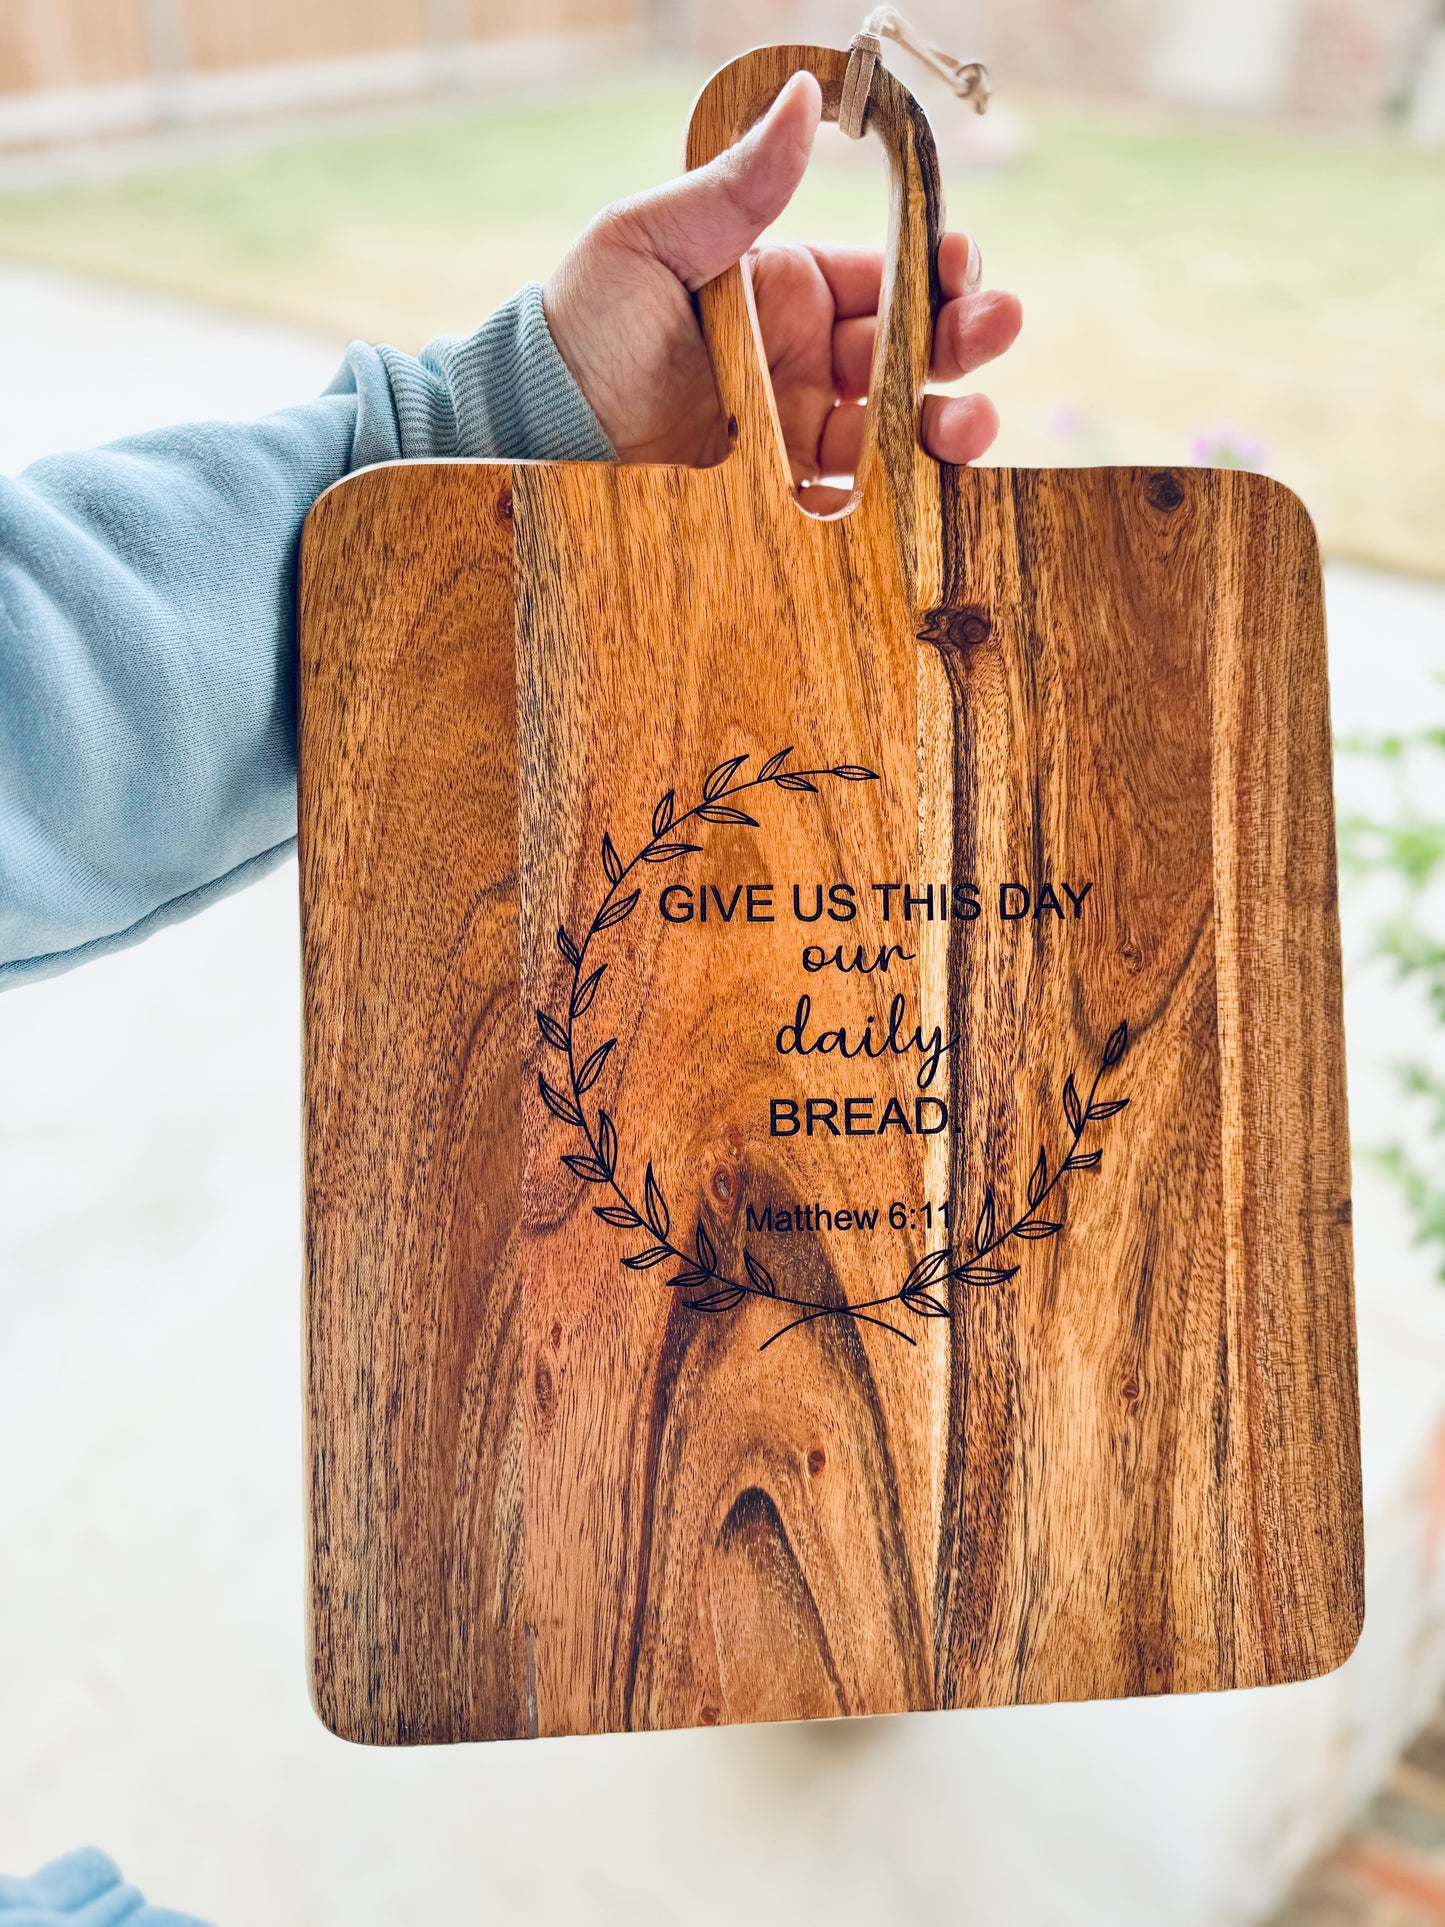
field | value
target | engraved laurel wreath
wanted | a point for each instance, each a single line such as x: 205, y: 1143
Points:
x: 710, y: 1289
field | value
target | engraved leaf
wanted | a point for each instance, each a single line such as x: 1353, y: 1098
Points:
x: 665, y: 852
x: 592, y: 1069
x: 558, y: 1104
x: 719, y: 778
x: 855, y: 773
x: 1082, y: 1160
x: 1073, y: 1109
x: 622, y: 1215
x: 983, y: 1274
x: 607, y: 1142
x: 591, y: 1169
x: 567, y: 947
x: 1097, y: 1111
x: 983, y: 1230
x: 925, y: 1304
x: 724, y: 813
x: 689, y: 1275
x: 1039, y: 1180
x: 929, y: 1269
x: 586, y: 991
x: 552, y: 1030
x: 774, y: 764
x: 645, y: 1260
x: 656, y: 1205
x: 706, y: 1250
x: 718, y: 1300
x: 616, y: 912
x: 1118, y: 1043
x: 762, y: 1278
x: 611, y: 861
x: 796, y: 783
x: 1039, y: 1228
x: 662, y: 815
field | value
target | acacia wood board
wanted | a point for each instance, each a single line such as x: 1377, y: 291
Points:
x: 966, y: 860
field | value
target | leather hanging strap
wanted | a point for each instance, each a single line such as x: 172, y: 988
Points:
x: 967, y: 78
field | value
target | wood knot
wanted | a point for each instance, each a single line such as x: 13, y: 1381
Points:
x: 961, y: 628
x: 1345, y: 1211
x: 1163, y: 490
x: 722, y: 1186
x: 1130, y: 1388
x: 542, y: 1385
x: 709, y: 1716
x: 504, y: 506
x: 556, y: 1338
x: 817, y: 1459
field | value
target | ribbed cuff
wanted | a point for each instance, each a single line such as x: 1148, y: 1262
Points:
x: 511, y: 395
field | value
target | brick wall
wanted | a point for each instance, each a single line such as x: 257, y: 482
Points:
x: 76, y: 67
x: 1331, y: 61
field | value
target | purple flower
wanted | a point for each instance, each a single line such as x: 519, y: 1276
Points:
x: 1226, y: 447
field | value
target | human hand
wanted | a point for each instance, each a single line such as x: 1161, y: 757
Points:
x: 621, y: 313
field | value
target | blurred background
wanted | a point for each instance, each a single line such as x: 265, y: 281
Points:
x: 1226, y: 219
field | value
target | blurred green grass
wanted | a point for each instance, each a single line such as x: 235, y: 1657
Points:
x: 1174, y: 279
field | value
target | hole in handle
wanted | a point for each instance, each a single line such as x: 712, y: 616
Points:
x: 819, y: 318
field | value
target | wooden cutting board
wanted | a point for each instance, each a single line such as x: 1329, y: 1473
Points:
x: 826, y: 1154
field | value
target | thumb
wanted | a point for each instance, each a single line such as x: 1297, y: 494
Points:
x: 703, y: 222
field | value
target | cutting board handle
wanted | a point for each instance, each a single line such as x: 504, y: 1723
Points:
x: 735, y: 98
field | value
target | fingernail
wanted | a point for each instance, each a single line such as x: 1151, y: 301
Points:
x: 974, y: 272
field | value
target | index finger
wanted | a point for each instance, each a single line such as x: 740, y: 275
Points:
x: 854, y: 277
x: 959, y: 266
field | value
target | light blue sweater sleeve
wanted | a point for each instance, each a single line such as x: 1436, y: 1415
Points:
x: 147, y: 638
x: 83, y: 1889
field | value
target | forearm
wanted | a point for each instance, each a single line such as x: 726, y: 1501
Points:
x: 147, y: 646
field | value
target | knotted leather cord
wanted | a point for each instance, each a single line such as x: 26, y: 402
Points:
x: 967, y: 78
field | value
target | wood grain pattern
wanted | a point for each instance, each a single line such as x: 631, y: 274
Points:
x: 551, y: 1493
